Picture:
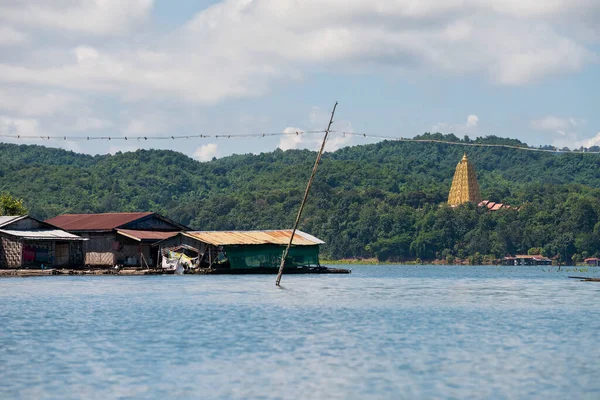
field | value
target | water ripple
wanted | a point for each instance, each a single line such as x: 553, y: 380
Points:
x: 381, y: 332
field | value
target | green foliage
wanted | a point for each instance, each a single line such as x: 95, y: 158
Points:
x: 384, y: 201
x: 11, y: 206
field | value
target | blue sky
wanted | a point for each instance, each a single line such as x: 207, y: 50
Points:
x: 527, y: 69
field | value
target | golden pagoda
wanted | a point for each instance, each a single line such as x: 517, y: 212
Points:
x: 464, y: 184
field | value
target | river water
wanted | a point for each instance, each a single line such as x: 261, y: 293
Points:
x: 382, y: 332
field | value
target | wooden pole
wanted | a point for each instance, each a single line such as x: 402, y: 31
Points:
x: 306, y: 192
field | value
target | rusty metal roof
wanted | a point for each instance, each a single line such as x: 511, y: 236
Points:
x: 95, y: 222
x: 279, y: 237
x: 154, y: 236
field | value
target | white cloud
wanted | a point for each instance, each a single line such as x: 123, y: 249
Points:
x: 18, y: 126
x: 206, y: 152
x: 337, y: 141
x: 31, y: 102
x: 564, y: 131
x: 293, y: 139
x: 69, y: 64
x: 296, y: 138
x: 595, y: 141
x: 469, y: 126
x: 97, y: 17
x: 83, y: 124
x: 145, y: 126
x: 552, y: 123
x: 239, y: 48
x: 472, y: 121
x: 10, y: 36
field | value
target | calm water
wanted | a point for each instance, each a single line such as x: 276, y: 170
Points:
x: 382, y: 332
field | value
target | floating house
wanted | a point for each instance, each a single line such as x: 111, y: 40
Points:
x: 26, y: 242
x: 465, y: 187
x: 119, y: 238
x: 526, y: 260
x: 592, y: 261
x: 243, y: 251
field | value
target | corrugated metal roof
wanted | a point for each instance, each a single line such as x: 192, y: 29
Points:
x: 146, y: 235
x: 7, y: 219
x: 534, y: 257
x: 43, y: 234
x: 95, y: 222
x: 280, y: 237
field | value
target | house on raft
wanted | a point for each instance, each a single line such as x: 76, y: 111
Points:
x: 119, y: 238
x: 526, y: 260
x: 592, y: 261
x: 26, y: 242
x: 241, y: 252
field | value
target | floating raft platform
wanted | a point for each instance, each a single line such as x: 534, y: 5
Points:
x: 585, y: 279
x: 139, y: 271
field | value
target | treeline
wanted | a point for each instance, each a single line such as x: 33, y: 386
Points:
x: 384, y: 200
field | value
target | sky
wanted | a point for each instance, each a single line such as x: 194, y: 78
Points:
x: 526, y: 69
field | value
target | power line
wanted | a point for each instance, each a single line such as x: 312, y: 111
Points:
x: 151, y: 137
x: 294, y: 133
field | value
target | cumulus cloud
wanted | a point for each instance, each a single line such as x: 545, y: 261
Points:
x: 293, y: 139
x: 595, y: 141
x: 249, y: 45
x: 565, y: 131
x: 33, y: 102
x: 145, y: 125
x: 10, y: 36
x: 206, y: 152
x: 558, y: 124
x: 472, y: 121
x: 71, y: 51
x: 469, y: 126
x: 18, y: 126
x: 84, y: 124
x: 297, y: 139
x: 97, y: 17
x: 551, y: 123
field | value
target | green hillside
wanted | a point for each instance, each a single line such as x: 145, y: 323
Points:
x: 382, y: 200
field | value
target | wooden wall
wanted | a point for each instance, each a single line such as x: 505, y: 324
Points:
x: 11, y: 252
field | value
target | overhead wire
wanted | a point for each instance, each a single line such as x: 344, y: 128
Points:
x: 293, y: 133
x: 155, y: 137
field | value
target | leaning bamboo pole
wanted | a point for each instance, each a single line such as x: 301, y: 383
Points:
x: 306, y: 192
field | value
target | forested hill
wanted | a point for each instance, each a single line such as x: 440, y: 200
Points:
x: 379, y: 200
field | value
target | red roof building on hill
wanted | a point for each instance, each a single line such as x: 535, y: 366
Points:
x: 492, y: 206
x: 119, y: 238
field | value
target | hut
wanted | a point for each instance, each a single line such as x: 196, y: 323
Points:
x: 240, y: 252
x: 26, y: 242
x: 119, y: 238
x: 592, y: 261
x: 525, y: 259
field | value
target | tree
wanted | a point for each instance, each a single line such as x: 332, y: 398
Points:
x: 11, y: 206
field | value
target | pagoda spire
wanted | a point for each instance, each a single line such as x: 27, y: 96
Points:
x: 464, y: 184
